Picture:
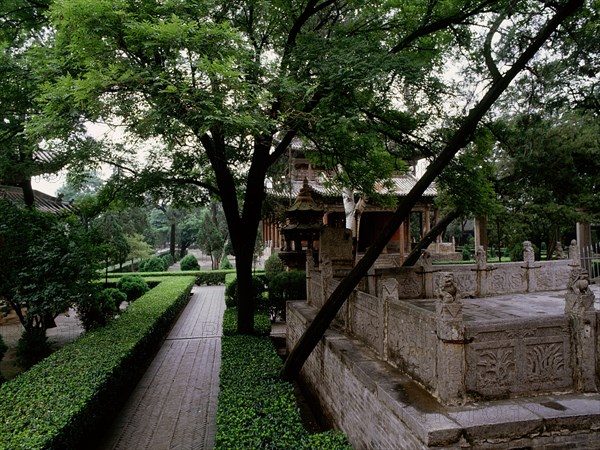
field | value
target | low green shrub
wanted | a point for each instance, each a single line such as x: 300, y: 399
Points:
x: 466, y: 253
x: 153, y: 264
x: 262, y: 322
x: 134, y: 286
x: 273, y: 266
x: 258, y: 287
x: 204, y: 277
x: 285, y: 286
x: 189, y: 262
x: 32, y: 347
x: 168, y: 259
x: 212, y: 277
x: 226, y: 264
x: 256, y: 409
x: 97, y: 310
x: 70, y: 394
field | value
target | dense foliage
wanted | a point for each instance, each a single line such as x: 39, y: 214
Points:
x: 262, y: 323
x: 153, y: 264
x: 283, y: 287
x: 189, y: 262
x: 133, y: 286
x: 48, y: 264
x: 258, y: 288
x: 60, y: 400
x: 273, y: 266
x: 98, y: 309
x: 256, y: 409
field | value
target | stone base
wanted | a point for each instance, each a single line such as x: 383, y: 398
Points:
x: 378, y: 406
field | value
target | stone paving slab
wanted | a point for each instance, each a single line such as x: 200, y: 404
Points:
x: 174, y: 404
x: 512, y: 306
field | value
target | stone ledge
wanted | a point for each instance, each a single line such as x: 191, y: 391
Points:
x: 494, y: 423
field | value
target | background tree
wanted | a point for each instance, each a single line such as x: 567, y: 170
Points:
x: 49, y: 265
x: 138, y: 248
x: 25, y: 44
x: 225, y: 88
x: 213, y: 233
x: 548, y: 176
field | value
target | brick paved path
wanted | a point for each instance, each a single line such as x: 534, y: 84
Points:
x: 174, y: 404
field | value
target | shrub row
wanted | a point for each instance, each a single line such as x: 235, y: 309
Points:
x: 257, y: 410
x: 204, y: 277
x: 69, y: 394
x: 262, y: 322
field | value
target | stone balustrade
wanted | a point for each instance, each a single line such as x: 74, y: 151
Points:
x: 462, y: 354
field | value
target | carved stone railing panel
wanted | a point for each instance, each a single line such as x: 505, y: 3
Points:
x: 410, y: 284
x: 506, y: 359
x: 553, y: 275
x: 366, y: 320
x: 412, y: 342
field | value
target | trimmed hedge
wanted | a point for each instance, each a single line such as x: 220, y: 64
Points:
x: 204, y: 277
x: 262, y: 322
x: 63, y: 399
x: 256, y: 409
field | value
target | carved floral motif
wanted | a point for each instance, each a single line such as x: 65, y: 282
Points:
x: 545, y: 362
x: 495, y: 367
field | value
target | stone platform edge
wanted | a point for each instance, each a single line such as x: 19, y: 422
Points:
x: 378, y: 406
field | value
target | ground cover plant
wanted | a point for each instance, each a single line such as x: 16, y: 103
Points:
x: 257, y: 410
x: 62, y: 399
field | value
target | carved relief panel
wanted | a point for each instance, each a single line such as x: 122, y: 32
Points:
x: 518, y: 358
x: 507, y: 279
x: 410, y: 285
x: 366, y: 320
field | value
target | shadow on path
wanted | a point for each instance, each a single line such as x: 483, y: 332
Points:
x: 175, y: 403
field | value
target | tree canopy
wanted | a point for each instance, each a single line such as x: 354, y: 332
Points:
x: 216, y: 92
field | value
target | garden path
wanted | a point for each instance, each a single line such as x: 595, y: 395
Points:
x: 174, y: 405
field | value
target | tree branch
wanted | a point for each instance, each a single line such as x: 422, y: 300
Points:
x: 314, y: 332
x: 440, y: 25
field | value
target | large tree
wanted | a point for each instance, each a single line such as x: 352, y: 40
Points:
x: 456, y: 140
x: 222, y: 89
x: 25, y: 41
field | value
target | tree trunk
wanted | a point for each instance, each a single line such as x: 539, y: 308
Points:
x: 414, y: 255
x: 243, y: 269
x: 463, y: 135
x: 172, y: 243
x: 481, y: 225
x: 28, y: 196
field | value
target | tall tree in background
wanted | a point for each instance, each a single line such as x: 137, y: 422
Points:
x: 25, y: 41
x: 213, y: 233
x: 223, y: 89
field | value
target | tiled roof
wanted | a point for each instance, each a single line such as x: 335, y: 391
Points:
x: 402, y: 185
x: 43, y: 202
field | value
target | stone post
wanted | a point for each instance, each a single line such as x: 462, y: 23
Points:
x: 579, y: 307
x: 481, y: 288
x: 584, y: 239
x: 389, y: 292
x: 425, y: 265
x: 529, y: 265
x: 450, y: 330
